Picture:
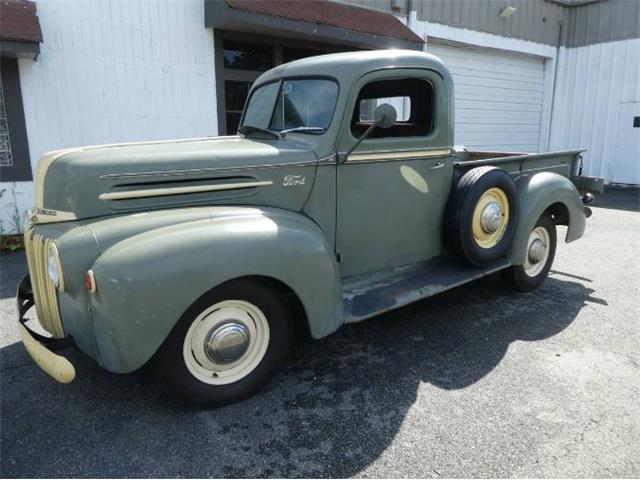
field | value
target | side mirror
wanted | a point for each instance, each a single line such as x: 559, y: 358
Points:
x: 384, y: 116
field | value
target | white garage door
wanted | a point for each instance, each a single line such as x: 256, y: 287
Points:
x: 498, y: 97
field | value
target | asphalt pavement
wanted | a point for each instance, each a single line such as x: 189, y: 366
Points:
x: 477, y: 382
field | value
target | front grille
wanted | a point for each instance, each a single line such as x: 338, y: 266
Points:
x: 44, y: 291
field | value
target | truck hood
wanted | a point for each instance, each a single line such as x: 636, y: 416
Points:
x: 110, y: 179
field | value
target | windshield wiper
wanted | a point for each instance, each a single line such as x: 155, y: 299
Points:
x: 303, y: 130
x: 248, y: 129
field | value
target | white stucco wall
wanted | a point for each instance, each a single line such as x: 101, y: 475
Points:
x: 112, y: 71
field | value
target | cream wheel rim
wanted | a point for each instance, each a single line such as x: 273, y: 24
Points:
x: 226, y: 342
x: 537, y: 251
x: 490, y: 217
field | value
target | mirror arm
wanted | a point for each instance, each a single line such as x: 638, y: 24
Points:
x: 343, y: 156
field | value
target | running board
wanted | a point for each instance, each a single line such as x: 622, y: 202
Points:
x: 371, y: 294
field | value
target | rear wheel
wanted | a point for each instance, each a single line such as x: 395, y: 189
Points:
x: 227, y: 345
x: 541, y: 250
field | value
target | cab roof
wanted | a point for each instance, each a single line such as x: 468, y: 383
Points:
x: 349, y: 66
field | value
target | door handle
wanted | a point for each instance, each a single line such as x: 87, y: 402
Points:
x: 437, y: 166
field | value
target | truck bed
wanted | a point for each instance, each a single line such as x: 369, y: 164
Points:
x: 565, y: 163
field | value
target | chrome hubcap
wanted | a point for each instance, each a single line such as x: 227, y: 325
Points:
x: 491, y: 217
x: 537, y: 251
x: 227, y: 343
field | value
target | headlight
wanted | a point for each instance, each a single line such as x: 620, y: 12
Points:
x: 53, y: 266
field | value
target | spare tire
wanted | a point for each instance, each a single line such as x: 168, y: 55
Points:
x: 481, y: 215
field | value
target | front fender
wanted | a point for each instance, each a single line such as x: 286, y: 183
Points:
x: 536, y: 194
x: 146, y: 282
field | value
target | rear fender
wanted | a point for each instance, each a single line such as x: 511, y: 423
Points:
x: 146, y: 282
x: 536, y: 194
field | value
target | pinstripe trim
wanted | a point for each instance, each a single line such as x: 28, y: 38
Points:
x: 397, y: 155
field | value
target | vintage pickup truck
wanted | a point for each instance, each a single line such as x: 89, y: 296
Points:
x: 341, y: 197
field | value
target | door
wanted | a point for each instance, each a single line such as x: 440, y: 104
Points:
x: 626, y: 164
x: 498, y: 104
x: 393, y: 188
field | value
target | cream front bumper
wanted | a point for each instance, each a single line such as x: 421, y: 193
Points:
x: 39, y: 347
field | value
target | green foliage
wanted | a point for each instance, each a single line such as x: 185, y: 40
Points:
x: 11, y: 243
x: 13, y: 240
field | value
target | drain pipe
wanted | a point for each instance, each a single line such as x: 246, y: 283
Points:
x: 555, y: 84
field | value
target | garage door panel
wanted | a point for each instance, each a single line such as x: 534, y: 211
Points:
x: 499, y: 137
x: 498, y: 94
x: 518, y: 88
x: 498, y: 97
x: 527, y: 83
x: 471, y: 67
x: 496, y: 128
x: 464, y: 115
x: 506, y: 147
x: 482, y: 106
x: 510, y: 64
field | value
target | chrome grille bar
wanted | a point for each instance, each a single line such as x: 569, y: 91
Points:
x: 44, y: 292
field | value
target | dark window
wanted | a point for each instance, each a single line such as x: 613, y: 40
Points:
x: 291, y: 54
x: 636, y: 122
x: 412, y: 99
x: 235, y: 94
x: 6, y: 157
x: 247, y: 56
x: 243, y: 62
x: 15, y: 164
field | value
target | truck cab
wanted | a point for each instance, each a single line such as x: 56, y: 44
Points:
x: 341, y: 197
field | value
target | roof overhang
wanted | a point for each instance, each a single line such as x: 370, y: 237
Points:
x: 20, y: 33
x: 315, y: 20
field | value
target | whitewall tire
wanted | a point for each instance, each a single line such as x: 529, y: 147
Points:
x: 227, y: 345
x: 540, y: 252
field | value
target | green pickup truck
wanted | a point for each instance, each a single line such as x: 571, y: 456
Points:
x: 341, y: 197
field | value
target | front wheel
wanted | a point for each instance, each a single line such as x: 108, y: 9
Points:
x: 541, y: 250
x: 227, y: 345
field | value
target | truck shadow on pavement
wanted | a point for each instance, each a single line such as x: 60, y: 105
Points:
x: 336, y: 408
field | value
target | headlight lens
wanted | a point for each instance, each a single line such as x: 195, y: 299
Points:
x: 53, y: 266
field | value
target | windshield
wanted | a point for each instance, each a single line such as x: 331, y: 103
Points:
x: 305, y: 105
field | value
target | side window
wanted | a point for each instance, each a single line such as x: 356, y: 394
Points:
x: 15, y: 163
x: 412, y: 98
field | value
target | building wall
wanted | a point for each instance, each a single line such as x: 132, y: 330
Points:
x: 592, y: 84
x: 391, y: 6
x: 603, y: 21
x: 534, y: 20
x: 112, y: 71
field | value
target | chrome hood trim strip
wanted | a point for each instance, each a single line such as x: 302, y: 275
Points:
x: 397, y: 155
x: 197, y: 171
x: 162, y: 192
